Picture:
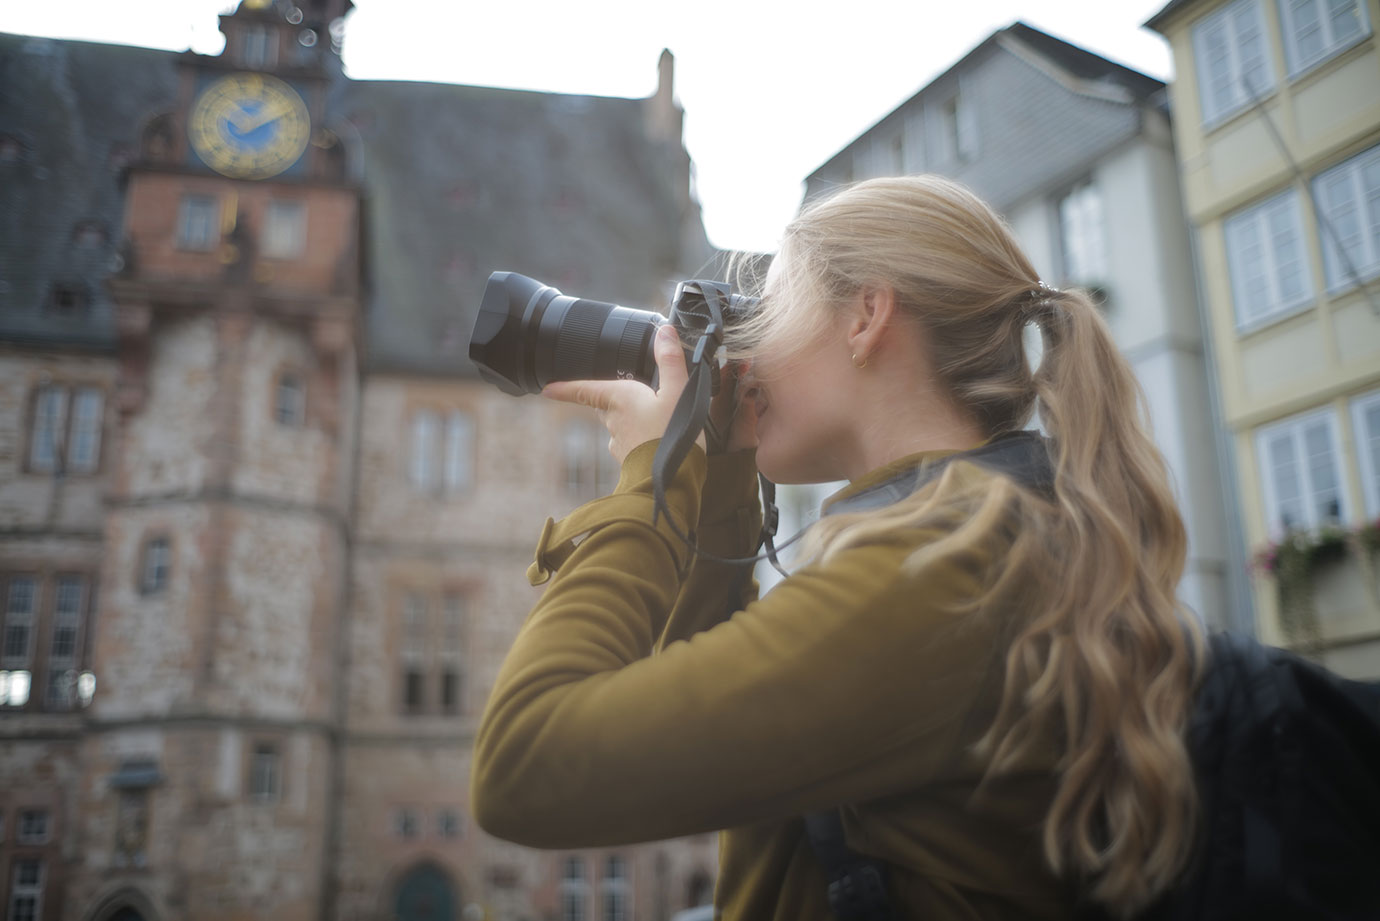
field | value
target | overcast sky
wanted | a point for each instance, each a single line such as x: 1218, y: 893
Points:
x: 770, y: 89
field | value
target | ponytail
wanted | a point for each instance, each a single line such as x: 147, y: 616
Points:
x: 1107, y: 656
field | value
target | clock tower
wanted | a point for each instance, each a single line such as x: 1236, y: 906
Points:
x: 237, y: 306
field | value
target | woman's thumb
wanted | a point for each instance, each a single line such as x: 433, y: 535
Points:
x: 670, y: 359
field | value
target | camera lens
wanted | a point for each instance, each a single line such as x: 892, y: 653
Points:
x: 528, y: 334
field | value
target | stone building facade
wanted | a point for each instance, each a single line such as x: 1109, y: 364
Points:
x: 263, y: 532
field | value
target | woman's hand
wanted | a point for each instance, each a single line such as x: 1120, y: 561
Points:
x: 733, y: 413
x: 631, y: 411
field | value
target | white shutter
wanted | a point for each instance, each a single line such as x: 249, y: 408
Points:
x: 1300, y: 473
x: 1365, y: 415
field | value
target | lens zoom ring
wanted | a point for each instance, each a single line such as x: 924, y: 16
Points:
x: 578, y: 339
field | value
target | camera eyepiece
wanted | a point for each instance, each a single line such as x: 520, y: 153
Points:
x: 528, y: 334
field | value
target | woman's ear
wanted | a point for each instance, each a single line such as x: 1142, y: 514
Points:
x: 874, y: 311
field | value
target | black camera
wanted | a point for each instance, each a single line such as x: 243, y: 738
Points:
x: 528, y: 334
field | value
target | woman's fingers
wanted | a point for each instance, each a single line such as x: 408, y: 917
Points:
x: 596, y: 394
x: 670, y: 362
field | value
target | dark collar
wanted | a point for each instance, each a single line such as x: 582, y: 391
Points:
x: 1024, y: 456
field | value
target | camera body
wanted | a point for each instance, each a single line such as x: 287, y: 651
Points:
x: 528, y: 334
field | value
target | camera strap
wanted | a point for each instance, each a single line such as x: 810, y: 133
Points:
x: 688, y: 419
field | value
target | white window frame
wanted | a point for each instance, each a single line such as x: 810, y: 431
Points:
x: 155, y: 565
x: 48, y: 433
x: 88, y: 421
x: 198, y: 223
x: 1331, y: 44
x: 285, y: 228
x: 1257, y: 218
x: 406, y: 824
x: 457, y: 471
x: 615, y: 889
x: 448, y: 824
x: 62, y: 668
x: 1367, y: 450
x: 574, y: 890
x: 259, y: 47
x: 265, y: 782
x: 21, y: 619
x: 1083, y: 234
x: 1294, y: 428
x: 290, y: 400
x: 1361, y: 204
x: 1235, y: 20
x: 31, y: 891
x: 29, y: 836
x: 424, y: 439
x: 454, y: 618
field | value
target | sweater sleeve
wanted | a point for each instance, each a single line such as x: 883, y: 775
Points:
x: 848, y: 682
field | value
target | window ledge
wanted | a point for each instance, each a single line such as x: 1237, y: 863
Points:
x: 1260, y: 324
x: 1331, y: 61
x: 1227, y: 118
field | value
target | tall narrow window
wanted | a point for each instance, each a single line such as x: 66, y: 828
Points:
x: 1348, y: 197
x: 49, y: 428
x: 65, y: 651
x: 615, y: 886
x: 26, y: 891
x: 1265, y: 255
x: 1232, y: 57
x: 425, y: 435
x: 153, y: 576
x: 259, y: 47
x: 20, y: 607
x: 414, y: 650
x: 1365, y: 415
x: 452, y: 658
x: 1317, y: 29
x: 290, y: 400
x: 961, y: 128
x: 1082, y: 235
x: 84, y: 448
x: 1300, y: 468
x: 265, y: 770
x: 459, y: 454
x: 574, y: 890
x: 198, y: 223
x: 285, y: 229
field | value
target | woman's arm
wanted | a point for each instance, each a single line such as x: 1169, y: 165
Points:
x: 848, y: 682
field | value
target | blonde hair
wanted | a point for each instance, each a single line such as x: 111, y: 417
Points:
x: 1102, y: 661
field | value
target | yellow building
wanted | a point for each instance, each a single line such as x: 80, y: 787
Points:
x: 1277, y: 123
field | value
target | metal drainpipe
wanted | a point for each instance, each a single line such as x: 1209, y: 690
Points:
x: 1241, y: 617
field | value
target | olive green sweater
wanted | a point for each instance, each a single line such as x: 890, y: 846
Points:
x: 642, y: 702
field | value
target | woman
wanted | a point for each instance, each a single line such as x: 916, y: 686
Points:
x: 986, y: 670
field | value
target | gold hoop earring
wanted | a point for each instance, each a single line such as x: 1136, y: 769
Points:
x: 859, y: 364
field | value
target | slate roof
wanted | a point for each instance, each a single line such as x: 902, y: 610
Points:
x: 76, y: 108
x: 458, y: 181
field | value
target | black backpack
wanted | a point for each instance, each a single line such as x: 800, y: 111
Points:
x: 1287, y: 756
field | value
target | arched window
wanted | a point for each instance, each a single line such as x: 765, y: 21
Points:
x: 425, y: 894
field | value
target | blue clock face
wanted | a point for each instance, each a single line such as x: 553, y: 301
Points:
x: 249, y: 126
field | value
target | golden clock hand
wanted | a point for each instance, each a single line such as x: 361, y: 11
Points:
x: 262, y: 117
